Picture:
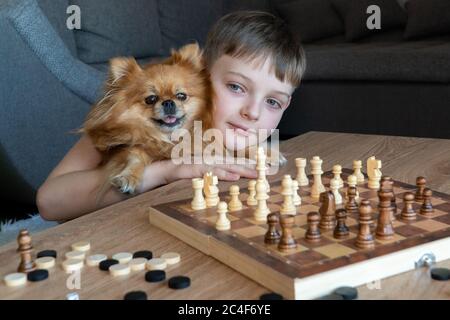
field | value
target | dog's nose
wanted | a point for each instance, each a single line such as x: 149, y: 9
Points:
x: 169, y: 107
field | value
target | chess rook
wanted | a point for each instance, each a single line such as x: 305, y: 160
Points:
x: 272, y: 235
x: 301, y: 178
x: 316, y: 170
x: 364, y: 239
x: 287, y: 241
x: 313, y: 232
x: 198, y: 202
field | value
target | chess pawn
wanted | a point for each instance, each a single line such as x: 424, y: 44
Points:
x: 337, y: 171
x: 364, y: 239
x: 288, y: 205
x: 313, y: 232
x: 272, y: 235
x: 341, y: 230
x: 301, y: 178
x: 222, y: 223
x: 352, y: 181
x: 25, y: 248
x: 334, y: 186
x: 235, y: 204
x: 408, y: 212
x: 198, y: 202
x: 420, y: 182
x: 287, y: 241
x: 357, y: 166
x: 427, y: 207
x: 351, y: 206
x: 261, y: 211
x: 316, y: 170
x: 251, y: 201
x: 296, y: 199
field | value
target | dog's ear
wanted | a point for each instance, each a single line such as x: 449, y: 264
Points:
x: 121, y: 67
x: 190, y: 53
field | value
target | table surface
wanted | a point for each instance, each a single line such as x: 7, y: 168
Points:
x: 125, y: 227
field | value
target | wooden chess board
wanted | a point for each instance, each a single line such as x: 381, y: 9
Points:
x: 313, y: 269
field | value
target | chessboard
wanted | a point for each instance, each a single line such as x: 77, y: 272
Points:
x: 311, y: 269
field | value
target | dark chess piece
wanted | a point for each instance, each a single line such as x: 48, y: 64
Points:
x: 287, y: 241
x: 421, y: 183
x: 313, y: 232
x: 384, y: 230
x: 351, y: 206
x: 408, y: 213
x: 272, y: 235
x: 327, y: 209
x: 365, y: 240
x: 26, y: 262
x: 427, y: 207
x: 341, y: 231
x: 388, y: 184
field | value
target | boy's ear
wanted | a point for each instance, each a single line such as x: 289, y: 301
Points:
x: 120, y: 67
x: 189, y: 53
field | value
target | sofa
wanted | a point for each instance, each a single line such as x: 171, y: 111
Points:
x: 51, y: 74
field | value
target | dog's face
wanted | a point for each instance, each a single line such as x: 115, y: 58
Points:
x: 153, y: 100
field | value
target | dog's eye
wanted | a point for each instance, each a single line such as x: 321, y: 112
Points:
x: 181, y: 96
x: 151, y: 99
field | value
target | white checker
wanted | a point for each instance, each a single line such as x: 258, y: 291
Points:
x: 156, y: 264
x: 81, y: 246
x: 119, y: 270
x: 15, y: 279
x: 75, y: 255
x: 95, y: 259
x: 72, y: 265
x: 138, y: 264
x: 45, y: 263
x: 171, y: 257
x: 123, y: 257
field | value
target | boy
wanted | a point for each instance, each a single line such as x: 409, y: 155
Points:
x: 255, y: 64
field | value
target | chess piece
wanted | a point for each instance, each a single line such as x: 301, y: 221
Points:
x: 327, y: 210
x: 427, y: 207
x: 334, y: 186
x: 388, y: 184
x: 261, y: 211
x: 316, y: 170
x: 337, y: 171
x: 313, y: 232
x: 408, y: 212
x: 251, y: 201
x: 384, y: 230
x: 272, y: 235
x: 351, y: 206
x: 261, y: 167
x: 235, y: 204
x: 198, y: 202
x: 301, y: 178
x: 288, y: 205
x: 25, y: 248
x: 420, y: 182
x: 357, y: 166
x: 341, y: 230
x: 352, y: 182
x: 210, y: 189
x: 296, y: 199
x: 287, y: 241
x: 374, y: 173
x: 364, y: 239
x: 222, y: 223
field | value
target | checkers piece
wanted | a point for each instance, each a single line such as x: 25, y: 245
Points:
x: 45, y: 263
x: 15, y: 279
x: 347, y: 293
x: 37, y: 275
x: 75, y: 255
x: 105, y: 264
x: 95, y: 259
x: 171, y: 257
x: 135, y: 295
x: 123, y: 257
x: 47, y: 253
x: 81, y: 246
x: 138, y: 264
x: 119, y: 269
x: 155, y: 276
x: 271, y: 296
x: 156, y: 264
x: 440, y: 274
x: 72, y: 265
x: 143, y: 254
x: 179, y: 282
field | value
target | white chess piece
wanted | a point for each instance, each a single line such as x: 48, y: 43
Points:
x: 352, y: 182
x: 251, y: 201
x: 223, y: 223
x: 261, y: 167
x: 337, y: 171
x: 334, y: 186
x: 316, y: 170
x: 374, y: 173
x: 357, y: 166
x: 210, y: 189
x: 288, y: 205
x: 261, y: 211
x: 296, y: 197
x: 301, y: 178
x: 235, y: 204
x: 198, y: 202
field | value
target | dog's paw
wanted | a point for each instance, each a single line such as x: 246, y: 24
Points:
x: 127, y: 184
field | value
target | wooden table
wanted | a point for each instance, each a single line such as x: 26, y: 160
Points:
x: 125, y: 227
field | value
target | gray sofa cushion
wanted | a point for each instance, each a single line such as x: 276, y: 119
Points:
x: 235, y: 5
x: 382, y: 57
x: 427, y: 17
x: 311, y: 19
x: 112, y: 28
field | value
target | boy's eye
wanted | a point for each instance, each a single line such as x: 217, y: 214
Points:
x: 152, y: 99
x: 234, y: 87
x: 181, y: 96
x: 274, y: 103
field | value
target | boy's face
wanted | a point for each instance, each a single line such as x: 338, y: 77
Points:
x: 247, y: 97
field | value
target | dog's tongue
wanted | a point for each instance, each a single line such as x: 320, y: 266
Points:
x: 170, y: 119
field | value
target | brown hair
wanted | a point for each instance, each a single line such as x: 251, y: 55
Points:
x: 253, y: 35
